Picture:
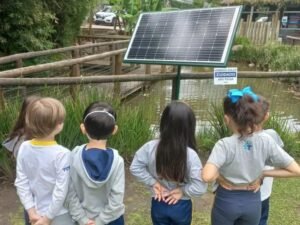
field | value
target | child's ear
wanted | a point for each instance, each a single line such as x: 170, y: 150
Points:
x: 267, y: 116
x: 82, y: 128
x: 115, y: 130
x: 226, y: 119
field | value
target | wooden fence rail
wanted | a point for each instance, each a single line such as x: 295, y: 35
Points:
x: 134, y: 77
x: 27, y: 55
x: 56, y: 65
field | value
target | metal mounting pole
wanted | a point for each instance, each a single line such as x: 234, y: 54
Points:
x: 176, y: 85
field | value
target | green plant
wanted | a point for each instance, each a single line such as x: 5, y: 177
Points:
x: 218, y: 129
x: 290, y: 139
x: 272, y: 56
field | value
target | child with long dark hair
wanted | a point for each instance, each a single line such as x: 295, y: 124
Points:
x: 241, y: 159
x: 170, y: 166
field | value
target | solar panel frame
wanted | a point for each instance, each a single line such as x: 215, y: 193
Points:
x: 226, y: 52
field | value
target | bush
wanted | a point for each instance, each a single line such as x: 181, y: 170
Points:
x: 272, y: 56
x: 218, y: 130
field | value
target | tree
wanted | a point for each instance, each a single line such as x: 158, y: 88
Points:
x: 29, y: 25
x: 25, y: 25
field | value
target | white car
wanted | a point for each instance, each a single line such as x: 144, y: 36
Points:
x: 262, y: 19
x: 106, y: 15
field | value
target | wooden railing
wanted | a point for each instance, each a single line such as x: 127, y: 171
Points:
x: 73, y: 63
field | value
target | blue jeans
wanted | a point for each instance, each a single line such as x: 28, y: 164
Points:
x: 264, y: 212
x: 236, y: 208
x: 178, y: 214
x: 119, y: 221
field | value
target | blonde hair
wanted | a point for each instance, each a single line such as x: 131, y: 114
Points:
x: 43, y: 116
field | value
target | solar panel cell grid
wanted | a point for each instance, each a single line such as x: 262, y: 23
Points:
x: 193, y: 36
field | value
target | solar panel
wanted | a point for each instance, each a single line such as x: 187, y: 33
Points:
x: 188, y: 37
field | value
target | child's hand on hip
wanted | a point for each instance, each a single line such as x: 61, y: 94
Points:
x: 174, y: 196
x: 43, y: 221
x: 159, y: 191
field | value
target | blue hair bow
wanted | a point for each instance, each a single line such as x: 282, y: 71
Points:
x: 236, y: 94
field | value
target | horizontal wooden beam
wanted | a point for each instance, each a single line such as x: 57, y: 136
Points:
x: 5, y: 82
x: 27, y: 55
x: 56, y: 65
x: 122, y: 37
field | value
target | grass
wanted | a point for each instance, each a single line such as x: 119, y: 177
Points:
x: 284, y: 207
x: 133, y: 122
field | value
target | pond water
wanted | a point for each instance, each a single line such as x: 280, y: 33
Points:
x: 202, y: 94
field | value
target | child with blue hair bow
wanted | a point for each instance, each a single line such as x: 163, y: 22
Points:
x: 241, y: 159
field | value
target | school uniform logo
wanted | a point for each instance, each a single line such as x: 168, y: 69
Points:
x: 248, y: 146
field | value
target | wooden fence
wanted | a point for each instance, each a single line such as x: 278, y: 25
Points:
x: 259, y: 33
x: 72, y: 62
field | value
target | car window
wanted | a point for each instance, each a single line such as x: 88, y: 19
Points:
x: 107, y: 9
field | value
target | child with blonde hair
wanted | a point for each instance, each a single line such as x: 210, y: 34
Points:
x: 43, y: 165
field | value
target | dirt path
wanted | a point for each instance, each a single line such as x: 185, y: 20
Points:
x: 137, y: 202
x: 9, y: 203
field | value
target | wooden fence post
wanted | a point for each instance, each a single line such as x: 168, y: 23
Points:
x: 2, y: 99
x: 112, y: 60
x: 75, y: 72
x: 19, y: 64
x: 147, y: 69
x: 118, y: 71
x: 163, y: 69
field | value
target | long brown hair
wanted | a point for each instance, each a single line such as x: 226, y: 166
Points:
x: 177, y: 133
x: 246, y: 113
x: 19, y: 127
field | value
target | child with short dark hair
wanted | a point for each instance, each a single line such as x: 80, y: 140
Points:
x: 97, y: 185
x: 241, y: 159
x: 43, y: 165
x: 170, y: 166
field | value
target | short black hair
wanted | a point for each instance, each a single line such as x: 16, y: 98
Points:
x: 100, y: 124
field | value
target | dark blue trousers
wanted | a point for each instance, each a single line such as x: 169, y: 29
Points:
x: 119, y: 221
x: 26, y: 218
x: 178, y: 214
x: 236, y: 208
x: 264, y: 212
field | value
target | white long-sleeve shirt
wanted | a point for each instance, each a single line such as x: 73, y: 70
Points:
x: 43, y: 177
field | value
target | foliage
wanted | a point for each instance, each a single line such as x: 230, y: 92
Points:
x: 29, y: 25
x: 134, y: 129
x: 69, y: 15
x: 218, y: 130
x: 133, y: 121
x: 273, y: 56
x: 183, y: 5
x: 290, y: 139
x: 25, y: 26
x: 129, y: 10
